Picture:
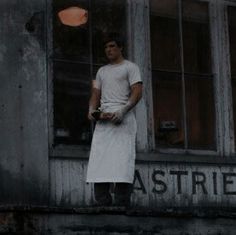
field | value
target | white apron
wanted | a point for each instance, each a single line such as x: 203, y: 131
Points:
x: 112, y: 155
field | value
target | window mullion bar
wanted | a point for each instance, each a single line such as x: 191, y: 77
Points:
x: 90, y: 40
x: 182, y: 73
x: 91, y: 52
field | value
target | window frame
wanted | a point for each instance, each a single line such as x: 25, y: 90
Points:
x: 223, y: 108
x: 227, y: 4
x: 62, y: 149
x: 147, y: 150
x: 183, y: 82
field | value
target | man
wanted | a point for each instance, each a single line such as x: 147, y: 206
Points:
x: 116, y: 91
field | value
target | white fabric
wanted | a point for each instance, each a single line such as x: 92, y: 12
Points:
x: 115, y: 80
x: 112, y: 155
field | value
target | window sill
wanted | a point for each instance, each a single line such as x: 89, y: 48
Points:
x: 82, y: 153
x: 185, y: 158
x: 70, y: 152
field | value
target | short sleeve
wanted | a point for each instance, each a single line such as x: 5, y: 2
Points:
x: 97, y: 82
x: 134, y: 75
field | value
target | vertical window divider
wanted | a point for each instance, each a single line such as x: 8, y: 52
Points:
x: 140, y: 54
x: 180, y: 14
x: 221, y: 70
x: 149, y: 89
x: 226, y: 37
x: 128, y: 30
x: 214, y: 35
x: 91, y: 51
x: 225, y: 82
x: 50, y: 88
x: 90, y: 40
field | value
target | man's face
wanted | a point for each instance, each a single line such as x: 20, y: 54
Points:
x: 113, y: 52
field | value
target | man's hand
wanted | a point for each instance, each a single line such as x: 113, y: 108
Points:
x: 106, y: 116
x: 90, y: 116
x: 118, y: 116
x: 102, y: 116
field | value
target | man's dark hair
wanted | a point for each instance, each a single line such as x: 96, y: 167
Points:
x: 114, y: 37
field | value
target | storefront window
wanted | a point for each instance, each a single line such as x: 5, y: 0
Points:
x: 232, y: 36
x: 166, y: 77
x: 200, y: 108
x: 182, y: 78
x: 79, y: 28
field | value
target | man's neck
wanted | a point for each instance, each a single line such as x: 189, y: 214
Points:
x: 117, y: 61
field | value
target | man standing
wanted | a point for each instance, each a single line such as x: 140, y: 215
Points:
x: 116, y: 90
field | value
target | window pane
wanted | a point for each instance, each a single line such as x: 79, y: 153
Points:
x: 72, y: 76
x: 165, y: 35
x: 108, y: 16
x: 166, y: 73
x: 78, y: 30
x: 232, y: 35
x: 71, y: 96
x: 196, y: 37
x: 70, y: 43
x: 198, y: 75
x: 200, y: 111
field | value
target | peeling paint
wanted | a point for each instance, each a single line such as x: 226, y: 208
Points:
x: 31, y: 55
x: 38, y: 97
x: 23, y: 145
x: 29, y: 50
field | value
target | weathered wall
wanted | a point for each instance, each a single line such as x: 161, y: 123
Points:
x: 104, y: 224
x: 67, y: 183
x: 23, y: 103
x: 24, y: 166
x: 156, y: 185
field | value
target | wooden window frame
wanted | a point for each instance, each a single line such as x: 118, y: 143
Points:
x: 220, y: 59
x: 146, y: 148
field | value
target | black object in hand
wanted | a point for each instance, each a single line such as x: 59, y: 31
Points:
x: 96, y: 114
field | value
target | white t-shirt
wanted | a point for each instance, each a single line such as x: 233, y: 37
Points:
x: 115, y: 81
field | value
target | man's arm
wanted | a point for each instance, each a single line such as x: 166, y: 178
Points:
x: 94, y: 102
x: 135, y: 96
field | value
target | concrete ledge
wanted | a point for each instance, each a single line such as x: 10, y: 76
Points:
x: 111, y: 221
x: 178, y: 212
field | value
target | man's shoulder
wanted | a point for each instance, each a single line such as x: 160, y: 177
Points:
x: 101, y: 68
x: 131, y: 64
